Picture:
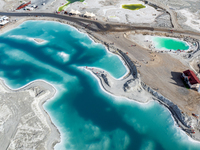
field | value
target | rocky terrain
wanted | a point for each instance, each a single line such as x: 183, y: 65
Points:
x: 23, y: 122
x: 186, y: 11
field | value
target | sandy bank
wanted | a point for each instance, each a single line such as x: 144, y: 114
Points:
x: 24, y: 117
x: 39, y: 41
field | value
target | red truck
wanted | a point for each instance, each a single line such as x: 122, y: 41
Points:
x: 23, y: 5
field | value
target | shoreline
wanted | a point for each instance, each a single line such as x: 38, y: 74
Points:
x: 158, y: 100
x: 175, y: 117
x: 80, y: 30
x: 107, y: 92
x: 178, y: 123
x: 167, y: 50
x: 174, y: 110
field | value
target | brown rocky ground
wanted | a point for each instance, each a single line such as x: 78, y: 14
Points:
x: 162, y: 74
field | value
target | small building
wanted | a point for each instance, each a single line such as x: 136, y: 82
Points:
x: 77, y: 12
x: 190, y: 79
x: 89, y: 15
x: 92, y: 15
x: 4, y: 20
x: 72, y: 12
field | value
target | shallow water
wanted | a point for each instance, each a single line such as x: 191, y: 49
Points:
x: 86, y: 116
x: 169, y: 44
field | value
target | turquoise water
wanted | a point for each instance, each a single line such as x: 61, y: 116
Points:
x: 87, y: 117
x: 169, y: 44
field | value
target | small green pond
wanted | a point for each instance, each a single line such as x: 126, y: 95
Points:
x: 133, y: 6
x: 169, y: 43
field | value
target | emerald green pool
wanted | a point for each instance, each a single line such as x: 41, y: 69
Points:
x: 169, y: 44
x: 133, y: 6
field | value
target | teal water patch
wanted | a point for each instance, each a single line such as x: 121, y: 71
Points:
x: 169, y: 44
x: 87, y: 117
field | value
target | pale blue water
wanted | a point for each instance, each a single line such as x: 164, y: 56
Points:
x: 169, y: 44
x: 87, y: 117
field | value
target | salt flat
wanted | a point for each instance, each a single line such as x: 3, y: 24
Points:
x: 23, y: 122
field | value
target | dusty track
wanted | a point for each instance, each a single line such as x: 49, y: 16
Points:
x: 173, y: 15
x: 99, y: 26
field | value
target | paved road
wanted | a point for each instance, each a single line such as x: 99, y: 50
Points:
x: 102, y: 27
x: 99, y: 26
x: 64, y: 17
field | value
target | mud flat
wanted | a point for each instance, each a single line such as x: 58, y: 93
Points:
x: 23, y: 122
